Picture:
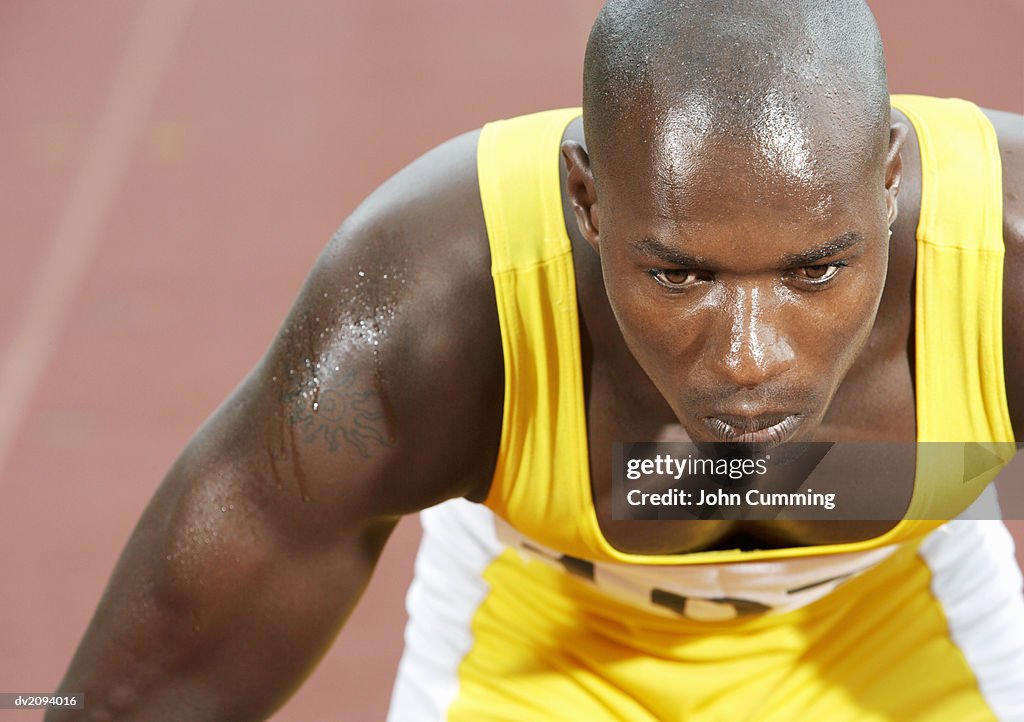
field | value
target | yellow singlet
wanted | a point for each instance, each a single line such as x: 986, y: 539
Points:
x: 542, y: 484
x: 922, y: 624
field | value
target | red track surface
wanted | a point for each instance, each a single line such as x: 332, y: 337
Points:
x: 171, y: 169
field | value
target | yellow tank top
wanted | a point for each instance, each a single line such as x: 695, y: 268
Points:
x: 541, y: 485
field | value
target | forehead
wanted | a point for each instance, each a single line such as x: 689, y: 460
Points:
x: 685, y: 162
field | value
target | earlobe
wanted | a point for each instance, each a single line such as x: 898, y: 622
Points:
x: 894, y: 168
x: 581, y: 191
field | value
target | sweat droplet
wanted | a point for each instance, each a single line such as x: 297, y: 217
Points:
x: 306, y: 497
x: 361, y: 274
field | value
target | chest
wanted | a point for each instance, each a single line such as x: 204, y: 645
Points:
x: 870, y: 468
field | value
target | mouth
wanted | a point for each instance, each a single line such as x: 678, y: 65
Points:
x: 765, y: 431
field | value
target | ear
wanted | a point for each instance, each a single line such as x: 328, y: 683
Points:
x: 582, y: 191
x: 894, y: 168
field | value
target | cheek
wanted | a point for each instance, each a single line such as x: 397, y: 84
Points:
x: 632, y: 295
x: 664, y: 332
x: 834, y: 332
x: 862, y: 293
x: 623, y: 289
x: 649, y: 328
x: 829, y: 329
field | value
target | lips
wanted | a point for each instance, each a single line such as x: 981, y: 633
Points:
x: 765, y: 430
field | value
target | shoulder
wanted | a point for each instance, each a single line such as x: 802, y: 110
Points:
x: 1009, y: 129
x: 419, y: 222
x: 389, y: 365
x: 421, y: 240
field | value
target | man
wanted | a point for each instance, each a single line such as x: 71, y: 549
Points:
x: 713, y: 265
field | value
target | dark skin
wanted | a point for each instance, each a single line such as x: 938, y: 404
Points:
x: 754, y: 333
x: 382, y: 395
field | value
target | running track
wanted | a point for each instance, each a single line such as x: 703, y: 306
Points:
x: 170, y: 170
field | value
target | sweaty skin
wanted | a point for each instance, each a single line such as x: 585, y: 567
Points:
x: 866, y: 398
x: 382, y: 395
x: 745, y: 282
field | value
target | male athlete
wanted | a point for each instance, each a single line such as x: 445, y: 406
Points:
x: 706, y: 255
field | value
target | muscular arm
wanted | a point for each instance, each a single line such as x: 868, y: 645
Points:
x: 1010, y: 129
x: 381, y: 395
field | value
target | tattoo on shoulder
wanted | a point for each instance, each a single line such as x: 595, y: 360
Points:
x: 347, y: 411
x: 323, y: 398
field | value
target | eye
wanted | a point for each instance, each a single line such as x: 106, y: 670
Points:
x: 676, y: 279
x: 818, y: 275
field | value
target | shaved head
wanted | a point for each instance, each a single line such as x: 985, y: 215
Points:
x: 798, y: 78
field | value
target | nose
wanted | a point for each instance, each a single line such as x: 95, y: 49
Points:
x: 750, y: 349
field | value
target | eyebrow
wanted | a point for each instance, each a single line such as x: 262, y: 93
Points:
x: 824, y: 250
x: 657, y: 249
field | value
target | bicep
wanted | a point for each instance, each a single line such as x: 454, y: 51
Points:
x: 380, y: 395
x: 382, y: 392
x: 268, y: 526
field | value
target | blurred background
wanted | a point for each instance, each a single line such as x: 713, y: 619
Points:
x: 170, y: 171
